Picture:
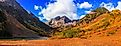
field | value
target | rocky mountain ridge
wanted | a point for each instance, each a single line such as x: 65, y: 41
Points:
x: 62, y: 22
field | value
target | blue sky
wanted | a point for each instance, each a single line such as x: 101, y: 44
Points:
x: 73, y: 9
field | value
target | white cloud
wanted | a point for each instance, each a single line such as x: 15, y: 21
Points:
x: 119, y: 5
x: 40, y: 7
x: 85, y: 5
x: 87, y: 11
x: 40, y: 18
x: 36, y: 7
x: 109, y: 6
x: 28, y: 11
x: 60, y: 8
x: 82, y: 16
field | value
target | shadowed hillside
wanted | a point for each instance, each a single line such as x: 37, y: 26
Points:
x: 17, y: 22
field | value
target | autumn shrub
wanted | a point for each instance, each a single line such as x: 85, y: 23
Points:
x: 111, y: 32
x: 70, y: 34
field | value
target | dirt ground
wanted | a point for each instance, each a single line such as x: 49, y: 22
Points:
x: 102, y: 41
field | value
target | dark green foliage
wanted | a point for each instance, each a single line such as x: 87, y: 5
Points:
x: 70, y: 34
x: 90, y: 17
x: 111, y: 32
x: 101, y: 10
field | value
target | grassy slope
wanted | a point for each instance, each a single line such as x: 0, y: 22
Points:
x: 104, y: 25
x: 100, y: 24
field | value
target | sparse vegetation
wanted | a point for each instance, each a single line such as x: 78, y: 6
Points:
x: 97, y: 23
x: 111, y: 32
x: 71, y: 33
x: 100, y: 10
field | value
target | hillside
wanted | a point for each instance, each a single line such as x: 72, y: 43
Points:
x: 102, y: 23
x: 59, y: 22
x: 16, y: 22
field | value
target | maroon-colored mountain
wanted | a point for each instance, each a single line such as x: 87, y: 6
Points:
x: 17, y: 22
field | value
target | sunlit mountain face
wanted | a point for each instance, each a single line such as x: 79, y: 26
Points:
x: 73, y: 9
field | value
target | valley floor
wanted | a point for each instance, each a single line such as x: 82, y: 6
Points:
x: 101, y: 41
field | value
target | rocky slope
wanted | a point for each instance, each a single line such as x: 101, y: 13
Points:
x: 63, y: 21
x: 17, y: 22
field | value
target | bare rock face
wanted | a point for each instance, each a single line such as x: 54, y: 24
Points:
x: 61, y: 21
x: 2, y: 0
x: 9, y: 2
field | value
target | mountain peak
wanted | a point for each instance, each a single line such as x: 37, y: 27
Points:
x: 61, y: 21
x: 3, y: 0
x: 64, y: 18
x: 6, y: 0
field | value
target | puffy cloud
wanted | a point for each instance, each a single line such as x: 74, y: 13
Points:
x: 36, y: 7
x: 85, y: 5
x: 87, y: 11
x: 119, y: 5
x: 82, y: 16
x: 60, y: 8
x: 40, y: 18
x: 109, y: 6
